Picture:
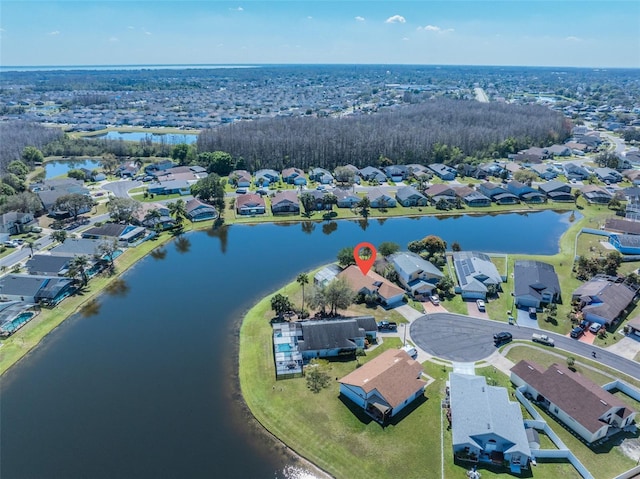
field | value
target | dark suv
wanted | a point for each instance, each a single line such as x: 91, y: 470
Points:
x: 576, y: 332
x: 502, y: 337
x: 387, y: 326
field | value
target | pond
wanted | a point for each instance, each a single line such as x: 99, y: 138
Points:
x: 143, y: 383
x: 58, y: 168
x: 168, y: 138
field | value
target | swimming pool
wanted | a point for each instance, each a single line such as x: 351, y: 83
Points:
x: 283, y: 348
x: 18, y: 321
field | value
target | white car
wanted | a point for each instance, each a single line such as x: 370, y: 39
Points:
x: 595, y: 327
x: 481, y: 305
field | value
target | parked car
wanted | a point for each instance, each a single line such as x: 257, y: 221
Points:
x: 387, y: 326
x: 10, y: 244
x: 542, y: 339
x: 576, y: 332
x: 532, y: 313
x: 595, y: 328
x: 435, y: 299
x: 411, y: 351
x: 241, y: 191
x: 502, y: 337
x: 481, y: 305
x: 584, y: 324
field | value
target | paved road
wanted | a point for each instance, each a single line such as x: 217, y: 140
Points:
x: 121, y: 188
x: 23, y: 252
x: 481, y: 96
x: 462, y: 338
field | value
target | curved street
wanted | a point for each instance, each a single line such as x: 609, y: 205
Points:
x: 461, y: 338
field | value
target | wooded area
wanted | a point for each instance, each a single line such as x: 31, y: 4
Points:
x: 16, y: 135
x: 405, y: 135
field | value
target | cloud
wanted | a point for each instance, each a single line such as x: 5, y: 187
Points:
x: 309, y: 17
x: 55, y: 32
x: 395, y: 19
x: 147, y: 32
x: 573, y: 39
x: 359, y: 19
x: 131, y: 27
x: 436, y: 29
x: 113, y: 39
x: 238, y: 9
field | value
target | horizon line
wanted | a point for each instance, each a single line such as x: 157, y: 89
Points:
x: 8, y: 68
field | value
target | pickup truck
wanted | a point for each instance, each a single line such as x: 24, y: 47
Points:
x: 542, y: 339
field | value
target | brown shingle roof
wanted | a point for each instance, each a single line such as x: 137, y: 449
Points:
x: 393, y: 374
x: 439, y: 189
x: 359, y: 281
x: 623, y: 226
x: 579, y: 397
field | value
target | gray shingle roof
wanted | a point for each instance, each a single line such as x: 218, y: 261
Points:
x: 47, y: 263
x: 532, y: 278
x: 478, y: 409
x: 319, y: 335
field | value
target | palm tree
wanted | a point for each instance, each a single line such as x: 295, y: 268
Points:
x: 31, y: 244
x: 152, y: 218
x: 302, y: 279
x: 78, y: 266
x: 179, y: 211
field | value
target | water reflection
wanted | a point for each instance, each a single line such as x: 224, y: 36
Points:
x: 329, y: 227
x: 183, y: 245
x: 308, y: 227
x: 363, y: 223
x: 222, y: 233
x: 118, y: 287
x: 159, y: 253
x: 91, y: 308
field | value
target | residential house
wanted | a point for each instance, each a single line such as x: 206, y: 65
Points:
x: 608, y: 175
x: 330, y: 338
x: 477, y: 275
x: 266, y: 177
x: 575, y: 172
x: 580, y: 404
x: 595, y: 195
x: 199, y: 211
x: 416, y: 274
x: 34, y: 288
x: 535, y: 284
x: 525, y: 192
x: 545, y: 171
x: 50, y: 190
x: 385, y: 385
x: 397, y: 173
x: 622, y: 226
x: 346, y: 198
x: 559, y: 150
x: 577, y: 149
x: 294, y: 176
x: 369, y: 173
x: 633, y: 326
x: 327, y: 274
x: 127, y: 170
x: 285, y: 202
x: 633, y: 176
x: 493, y: 169
x: 472, y: 171
x: 250, y: 204
x: 556, y: 191
x: 159, y: 166
x: 240, y: 178
x: 372, y: 284
x: 124, y: 234
x: 163, y: 220
x: 319, y: 198
x: 419, y: 171
x: 15, y: 222
x: 441, y: 192
x: 511, y: 167
x: 78, y: 247
x: 626, y: 244
x: 444, y: 172
x: 321, y: 176
x: 536, y: 153
x: 171, y: 187
x: 48, y: 264
x: 498, y: 194
x: 603, y: 300
x: 471, y: 197
x: 486, y: 426
x: 380, y: 199
x: 355, y: 171
x: 409, y: 196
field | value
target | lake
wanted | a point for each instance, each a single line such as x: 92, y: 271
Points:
x: 168, y: 138
x: 143, y: 384
x: 57, y: 168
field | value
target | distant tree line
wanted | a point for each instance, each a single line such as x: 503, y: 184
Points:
x: 15, y: 136
x: 408, y: 134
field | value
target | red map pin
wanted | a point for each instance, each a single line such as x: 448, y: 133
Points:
x: 365, y: 255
